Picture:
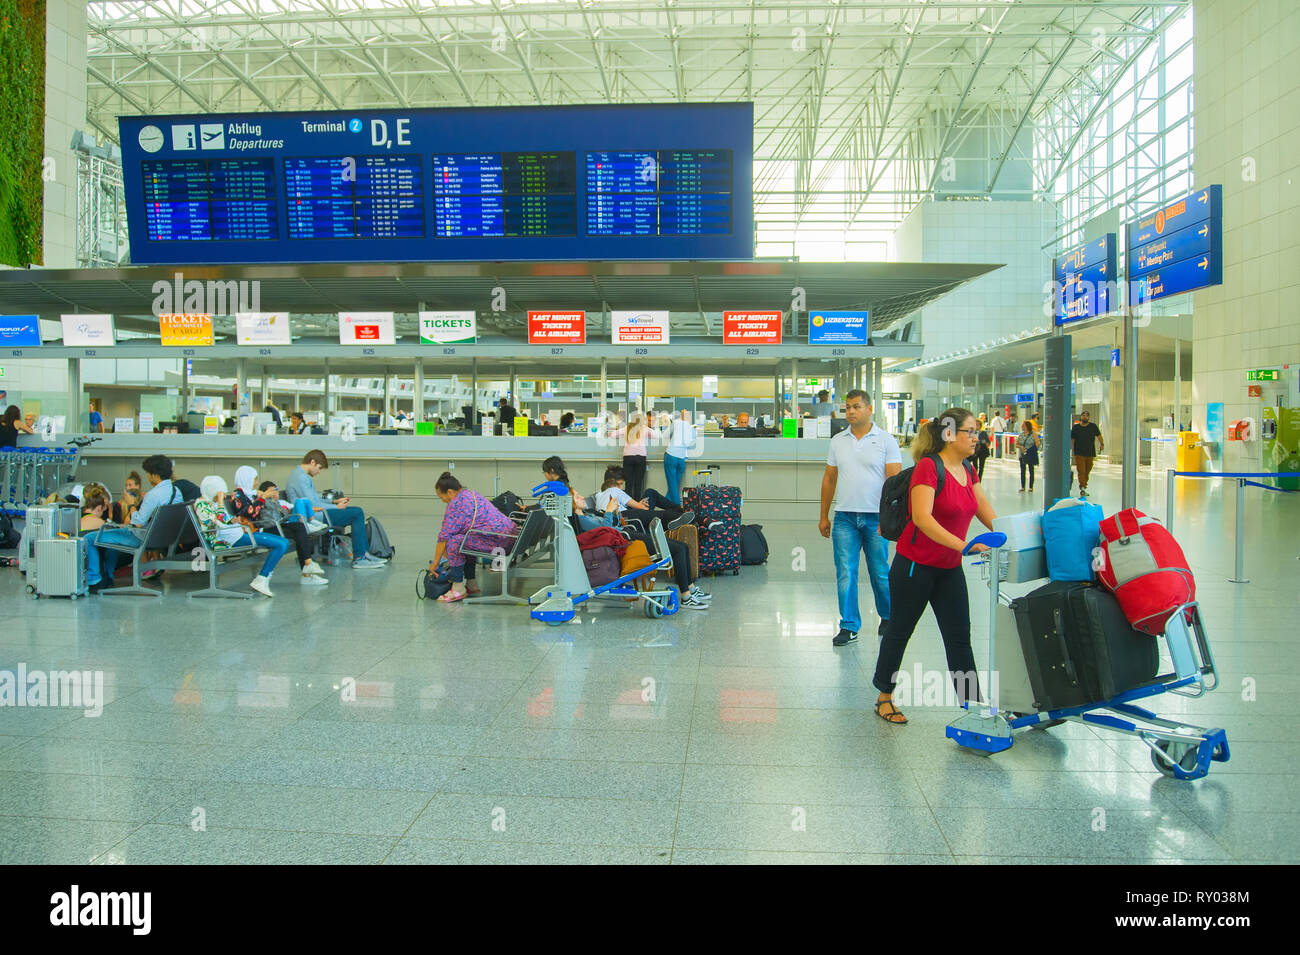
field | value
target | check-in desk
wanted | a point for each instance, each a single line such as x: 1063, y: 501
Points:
x: 779, y: 479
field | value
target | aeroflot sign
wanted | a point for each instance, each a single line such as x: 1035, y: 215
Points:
x: 19, y: 331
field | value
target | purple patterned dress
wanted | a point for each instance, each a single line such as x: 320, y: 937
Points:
x: 473, y: 522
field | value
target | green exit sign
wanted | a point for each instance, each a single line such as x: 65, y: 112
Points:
x: 2, y: 371
x: 1264, y: 374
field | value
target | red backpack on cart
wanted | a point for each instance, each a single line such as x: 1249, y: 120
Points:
x: 1142, y: 565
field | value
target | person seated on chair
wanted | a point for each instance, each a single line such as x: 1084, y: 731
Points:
x: 100, y: 563
x: 742, y: 420
x: 158, y: 471
x: 296, y: 423
x: 130, y: 499
x: 222, y: 527
x: 259, y: 512
x: 301, y: 488
x: 612, y: 498
x: 469, y: 521
x: 553, y: 470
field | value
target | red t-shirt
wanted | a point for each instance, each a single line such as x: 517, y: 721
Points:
x: 954, y: 507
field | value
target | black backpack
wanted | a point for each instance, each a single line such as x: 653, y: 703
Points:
x: 896, y: 498
x: 8, y: 536
x: 753, y: 545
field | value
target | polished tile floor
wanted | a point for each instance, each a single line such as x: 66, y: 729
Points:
x: 357, y: 724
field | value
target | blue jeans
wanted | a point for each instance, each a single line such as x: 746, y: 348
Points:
x: 101, y: 562
x: 589, y: 522
x: 852, y: 532
x: 338, y: 516
x: 675, y: 474
x: 277, y: 545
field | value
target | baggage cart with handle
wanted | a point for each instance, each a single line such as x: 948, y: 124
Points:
x: 1178, y: 750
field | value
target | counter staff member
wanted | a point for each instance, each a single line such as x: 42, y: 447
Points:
x: 867, y: 454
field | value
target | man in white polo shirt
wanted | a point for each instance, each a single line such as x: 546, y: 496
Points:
x: 860, y: 458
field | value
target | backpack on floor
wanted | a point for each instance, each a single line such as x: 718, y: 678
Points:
x: 1142, y: 565
x: 753, y: 545
x: 377, y: 538
x: 8, y: 536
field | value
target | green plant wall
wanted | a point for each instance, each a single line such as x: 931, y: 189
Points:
x: 22, y: 130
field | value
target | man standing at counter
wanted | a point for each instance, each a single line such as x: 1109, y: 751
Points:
x: 302, y: 487
x: 867, y: 454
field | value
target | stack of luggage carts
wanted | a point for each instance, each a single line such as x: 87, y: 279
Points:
x: 1088, y: 649
x: 29, y: 475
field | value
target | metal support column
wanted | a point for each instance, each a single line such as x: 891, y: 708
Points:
x: 182, y: 401
x: 326, y: 397
x: 877, y: 380
x: 627, y: 389
x: 1129, y: 464
x: 417, y: 408
x: 794, y: 386
x: 388, y: 397
x: 776, y: 395
x: 604, y: 388
x: 514, y: 390
x: 473, y: 399
x: 74, y: 396
x: 993, y: 392
x: 241, y: 386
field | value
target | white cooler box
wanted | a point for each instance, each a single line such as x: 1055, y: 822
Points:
x: 1023, y: 557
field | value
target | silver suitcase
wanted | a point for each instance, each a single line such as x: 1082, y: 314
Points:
x: 61, y: 568
x: 46, y: 522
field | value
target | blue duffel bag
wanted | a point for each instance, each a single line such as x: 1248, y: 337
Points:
x: 1071, y: 530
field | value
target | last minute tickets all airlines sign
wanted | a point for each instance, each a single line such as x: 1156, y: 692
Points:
x: 751, y: 328
x: 557, y: 328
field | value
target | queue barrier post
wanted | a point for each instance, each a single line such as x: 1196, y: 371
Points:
x: 1242, y: 479
x: 1240, y: 566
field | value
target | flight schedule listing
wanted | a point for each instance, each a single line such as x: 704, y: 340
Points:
x: 668, y: 192
x: 209, y: 199
x: 351, y: 197
x: 505, y: 195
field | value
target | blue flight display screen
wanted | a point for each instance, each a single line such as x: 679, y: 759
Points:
x: 209, y: 199
x: 505, y: 195
x: 655, y: 181
x: 670, y: 192
x: 348, y: 197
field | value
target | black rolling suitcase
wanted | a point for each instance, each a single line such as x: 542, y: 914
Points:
x: 1079, y: 647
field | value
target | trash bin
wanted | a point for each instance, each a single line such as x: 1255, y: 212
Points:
x: 1189, y: 451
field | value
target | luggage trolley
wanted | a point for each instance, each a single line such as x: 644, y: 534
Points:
x: 559, y: 602
x: 1178, y: 750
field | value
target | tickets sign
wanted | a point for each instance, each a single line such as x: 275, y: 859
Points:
x: 367, y: 328
x: 448, y: 328
x: 262, y: 328
x: 751, y: 328
x: 639, y: 328
x: 88, y: 330
x: 557, y: 328
x: 186, y: 329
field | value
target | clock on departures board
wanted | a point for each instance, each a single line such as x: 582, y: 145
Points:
x: 669, y: 181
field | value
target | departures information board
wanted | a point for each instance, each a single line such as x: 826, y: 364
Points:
x: 582, y: 182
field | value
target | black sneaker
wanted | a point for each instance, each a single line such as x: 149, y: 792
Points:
x: 884, y: 625
x: 843, y: 637
x: 685, y: 518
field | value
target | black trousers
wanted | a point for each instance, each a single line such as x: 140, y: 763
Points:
x: 979, y: 464
x: 911, y: 587
x: 679, y: 552
x: 1026, y: 464
x: 296, y: 533
x: 634, y: 471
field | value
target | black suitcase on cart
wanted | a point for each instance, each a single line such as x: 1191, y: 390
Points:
x: 1079, y: 647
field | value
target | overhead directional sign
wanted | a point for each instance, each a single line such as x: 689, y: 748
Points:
x: 1178, y: 248
x: 1085, y: 278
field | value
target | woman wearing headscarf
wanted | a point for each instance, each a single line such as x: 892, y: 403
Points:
x: 220, y: 526
x: 248, y: 504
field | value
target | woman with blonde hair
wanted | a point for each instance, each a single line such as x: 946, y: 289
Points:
x: 944, y: 496
x: 634, y: 438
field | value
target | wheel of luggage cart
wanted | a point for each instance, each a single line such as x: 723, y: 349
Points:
x: 31, y: 589
x: 1184, y: 754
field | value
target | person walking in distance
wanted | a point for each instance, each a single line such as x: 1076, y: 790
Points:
x: 983, y: 448
x: 927, y: 567
x: 864, y: 455
x: 1027, y: 450
x: 1085, y: 438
